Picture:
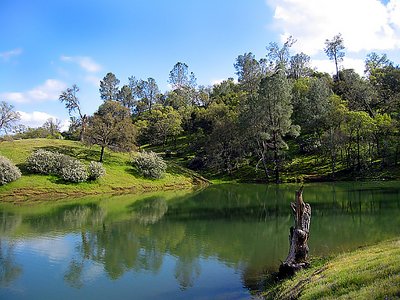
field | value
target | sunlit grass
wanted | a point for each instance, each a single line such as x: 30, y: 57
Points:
x: 368, y: 273
x: 120, y: 175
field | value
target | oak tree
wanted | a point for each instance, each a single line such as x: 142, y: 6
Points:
x: 111, y: 126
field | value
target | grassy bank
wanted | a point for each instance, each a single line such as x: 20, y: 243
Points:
x: 368, y: 273
x: 120, y: 176
x: 296, y: 167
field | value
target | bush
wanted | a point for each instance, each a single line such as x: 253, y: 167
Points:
x: 95, y: 170
x: 72, y: 170
x: 64, y: 166
x: 149, y: 164
x: 44, y: 162
x: 8, y: 171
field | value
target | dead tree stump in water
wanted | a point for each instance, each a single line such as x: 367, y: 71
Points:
x: 298, y: 252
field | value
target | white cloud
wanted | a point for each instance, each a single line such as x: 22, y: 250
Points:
x: 216, y: 81
x: 50, y: 90
x: 328, y: 66
x: 64, y: 125
x: 54, y: 249
x: 365, y: 25
x: 37, y: 118
x: 8, y: 54
x: 93, y: 80
x: 85, y: 62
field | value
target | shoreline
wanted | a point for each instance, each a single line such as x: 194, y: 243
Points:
x: 369, y: 272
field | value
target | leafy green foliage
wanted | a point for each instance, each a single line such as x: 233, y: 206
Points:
x: 159, y: 125
x: 149, y: 164
x: 279, y: 112
x: 111, y: 127
x: 267, y: 119
x: 8, y: 171
x: 109, y: 87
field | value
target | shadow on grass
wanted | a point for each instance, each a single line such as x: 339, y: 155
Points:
x: 133, y: 171
x: 136, y: 173
x: 78, y: 152
x: 83, y: 153
x: 22, y: 167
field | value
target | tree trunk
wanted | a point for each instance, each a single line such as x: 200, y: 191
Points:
x: 298, y: 252
x: 83, y: 128
x: 276, y: 166
x: 101, y: 154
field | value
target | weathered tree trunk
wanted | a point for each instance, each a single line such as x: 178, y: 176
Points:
x: 298, y: 253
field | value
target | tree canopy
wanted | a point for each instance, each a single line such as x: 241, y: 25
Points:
x: 111, y: 126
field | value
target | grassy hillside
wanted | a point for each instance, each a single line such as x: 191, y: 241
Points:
x: 368, y: 273
x: 120, y: 177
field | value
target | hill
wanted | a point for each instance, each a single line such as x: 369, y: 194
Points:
x: 120, y: 175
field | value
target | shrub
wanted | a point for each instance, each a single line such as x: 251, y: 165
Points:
x: 64, y: 166
x: 8, y: 171
x: 149, y: 164
x: 95, y: 170
x: 44, y: 162
x: 72, y: 170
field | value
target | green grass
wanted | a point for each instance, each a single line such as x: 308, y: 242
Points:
x: 120, y: 176
x: 368, y: 273
x: 296, y: 166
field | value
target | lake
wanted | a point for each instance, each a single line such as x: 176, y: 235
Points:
x: 215, y: 243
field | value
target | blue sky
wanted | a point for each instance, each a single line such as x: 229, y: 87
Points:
x: 47, y: 46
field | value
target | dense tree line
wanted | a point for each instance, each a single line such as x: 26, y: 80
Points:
x: 279, y: 108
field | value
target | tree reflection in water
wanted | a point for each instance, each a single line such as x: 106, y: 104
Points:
x: 9, y: 269
x: 243, y: 227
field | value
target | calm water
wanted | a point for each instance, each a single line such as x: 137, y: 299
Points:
x: 215, y: 243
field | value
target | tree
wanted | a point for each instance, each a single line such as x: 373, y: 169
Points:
x: 311, y: 103
x: 8, y: 116
x: 334, y: 50
x: 179, y: 77
x: 52, y: 127
x: 111, y: 126
x: 146, y: 93
x: 267, y: 119
x: 375, y: 61
x: 248, y: 72
x: 356, y: 90
x: 333, y: 138
x: 227, y: 92
x: 386, y: 83
x: 70, y: 99
x: 278, y: 57
x: 125, y: 97
x: 109, y: 87
x: 184, y: 86
x: 222, y: 145
x: 299, y: 66
x: 385, y: 137
x: 160, y: 125
x: 359, y: 128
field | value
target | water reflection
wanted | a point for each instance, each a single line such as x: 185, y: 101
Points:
x: 241, y: 227
x: 9, y: 269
